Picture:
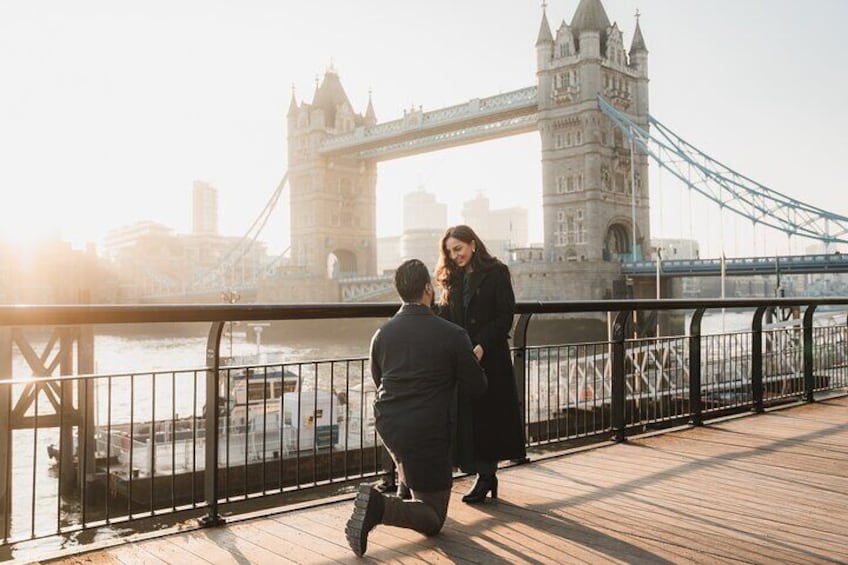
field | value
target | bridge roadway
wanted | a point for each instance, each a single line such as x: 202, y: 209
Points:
x: 767, y: 488
x: 742, y: 266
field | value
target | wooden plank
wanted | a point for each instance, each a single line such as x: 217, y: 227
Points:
x: 314, y: 545
x: 610, y: 524
x: 95, y: 559
x: 168, y: 550
x: 225, y: 545
x: 278, y: 540
x: 134, y: 554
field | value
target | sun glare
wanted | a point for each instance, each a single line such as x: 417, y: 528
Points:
x: 26, y: 233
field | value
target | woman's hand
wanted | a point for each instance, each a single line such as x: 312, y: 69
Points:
x: 478, y: 352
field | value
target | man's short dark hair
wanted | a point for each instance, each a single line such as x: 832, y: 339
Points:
x: 410, y: 279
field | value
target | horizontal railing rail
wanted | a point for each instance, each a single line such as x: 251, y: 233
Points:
x: 134, y: 445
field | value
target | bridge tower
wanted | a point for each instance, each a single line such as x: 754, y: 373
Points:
x: 333, y: 199
x: 589, y: 204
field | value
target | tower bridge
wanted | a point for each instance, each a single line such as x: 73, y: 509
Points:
x: 590, y: 106
x: 595, y: 201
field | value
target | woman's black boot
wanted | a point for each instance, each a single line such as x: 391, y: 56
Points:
x: 482, y: 487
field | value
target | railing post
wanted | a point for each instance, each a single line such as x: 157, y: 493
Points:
x: 757, y: 359
x: 695, y: 404
x: 809, y: 378
x: 519, y: 367
x: 69, y: 469
x: 5, y: 433
x: 619, y: 384
x: 87, y: 456
x: 213, y: 362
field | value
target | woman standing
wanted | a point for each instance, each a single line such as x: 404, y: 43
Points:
x: 477, y: 295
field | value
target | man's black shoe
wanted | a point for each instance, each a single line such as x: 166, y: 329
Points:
x: 367, y: 513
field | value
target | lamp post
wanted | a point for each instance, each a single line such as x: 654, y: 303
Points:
x: 633, y: 198
x: 230, y: 297
x: 659, y: 283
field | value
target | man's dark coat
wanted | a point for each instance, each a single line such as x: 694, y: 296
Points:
x: 417, y: 359
x: 494, y: 427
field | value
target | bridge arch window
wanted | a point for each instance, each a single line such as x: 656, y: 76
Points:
x: 341, y: 263
x: 616, y: 242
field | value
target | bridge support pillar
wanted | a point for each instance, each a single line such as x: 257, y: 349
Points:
x: 5, y: 432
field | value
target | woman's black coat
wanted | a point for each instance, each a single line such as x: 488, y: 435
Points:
x: 493, y: 427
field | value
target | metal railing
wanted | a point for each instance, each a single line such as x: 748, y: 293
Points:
x: 139, y: 445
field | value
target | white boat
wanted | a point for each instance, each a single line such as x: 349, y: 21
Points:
x: 266, y: 416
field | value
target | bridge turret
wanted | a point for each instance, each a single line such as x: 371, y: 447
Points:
x: 333, y: 200
x: 544, y: 44
x: 544, y: 55
x: 370, y: 119
x: 639, y: 63
x: 586, y: 171
x: 292, y: 113
x: 638, y: 50
x: 589, y: 25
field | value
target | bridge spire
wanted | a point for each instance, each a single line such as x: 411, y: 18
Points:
x: 293, y: 104
x: 545, y: 35
x: 638, y: 43
x: 370, y: 115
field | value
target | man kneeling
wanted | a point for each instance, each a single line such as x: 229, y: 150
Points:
x: 417, y: 359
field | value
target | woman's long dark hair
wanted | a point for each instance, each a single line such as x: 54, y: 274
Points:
x: 447, y: 272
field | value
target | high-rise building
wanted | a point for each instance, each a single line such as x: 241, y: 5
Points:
x: 204, y: 209
x: 424, y: 223
x: 501, y: 229
x: 421, y: 211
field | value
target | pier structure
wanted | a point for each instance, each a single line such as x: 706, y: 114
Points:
x: 275, y: 431
x: 57, y: 400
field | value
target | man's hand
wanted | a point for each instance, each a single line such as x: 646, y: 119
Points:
x: 478, y: 352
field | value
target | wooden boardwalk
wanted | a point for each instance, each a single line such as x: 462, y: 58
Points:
x: 771, y: 488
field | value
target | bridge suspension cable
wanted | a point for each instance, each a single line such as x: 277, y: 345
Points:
x: 729, y: 189
x: 216, y: 275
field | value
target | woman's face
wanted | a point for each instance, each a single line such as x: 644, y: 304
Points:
x: 459, y: 251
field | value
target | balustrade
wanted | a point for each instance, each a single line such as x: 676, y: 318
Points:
x: 143, y: 443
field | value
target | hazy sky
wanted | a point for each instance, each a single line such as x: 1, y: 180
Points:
x: 109, y: 109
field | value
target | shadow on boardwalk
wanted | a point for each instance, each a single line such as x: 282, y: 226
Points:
x: 761, y: 489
